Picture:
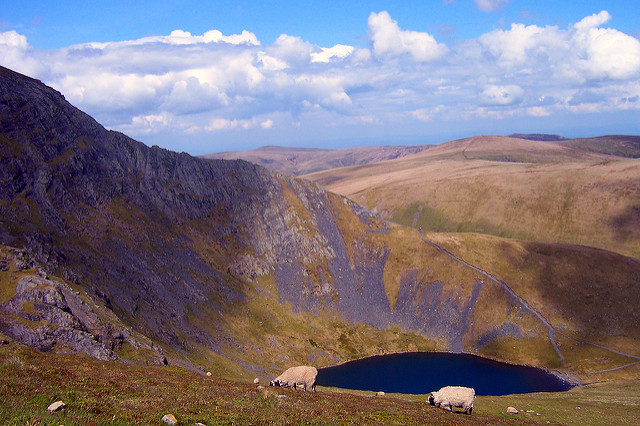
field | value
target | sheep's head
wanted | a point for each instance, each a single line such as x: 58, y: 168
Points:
x: 275, y: 382
x: 431, y: 399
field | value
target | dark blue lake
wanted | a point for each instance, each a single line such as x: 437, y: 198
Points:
x: 423, y: 372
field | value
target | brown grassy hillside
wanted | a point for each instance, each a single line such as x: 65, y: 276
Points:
x: 537, y: 191
x: 589, y: 295
x: 298, y: 161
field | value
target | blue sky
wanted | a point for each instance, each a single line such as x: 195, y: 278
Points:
x: 214, y: 76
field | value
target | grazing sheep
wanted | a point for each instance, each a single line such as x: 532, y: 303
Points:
x: 303, y: 376
x: 454, y: 396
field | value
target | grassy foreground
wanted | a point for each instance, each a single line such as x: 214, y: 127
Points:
x: 97, y: 392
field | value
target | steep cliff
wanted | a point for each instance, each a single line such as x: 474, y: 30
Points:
x: 222, y: 263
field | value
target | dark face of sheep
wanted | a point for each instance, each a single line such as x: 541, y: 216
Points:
x: 431, y: 400
x: 274, y: 383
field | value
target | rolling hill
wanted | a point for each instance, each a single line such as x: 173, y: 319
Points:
x: 568, y: 191
x: 298, y: 161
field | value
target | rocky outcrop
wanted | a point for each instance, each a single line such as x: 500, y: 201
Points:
x: 47, y: 314
x: 117, y: 217
x: 172, y: 243
x: 49, y: 320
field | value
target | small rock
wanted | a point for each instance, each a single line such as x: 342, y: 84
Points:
x: 578, y: 408
x: 379, y: 393
x: 260, y: 387
x: 256, y: 381
x: 512, y: 410
x: 208, y: 373
x: 282, y: 396
x: 56, y: 406
x: 530, y: 411
x: 169, y: 419
x: 200, y: 424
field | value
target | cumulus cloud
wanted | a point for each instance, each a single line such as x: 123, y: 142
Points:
x: 13, y: 39
x: 15, y: 54
x: 389, y: 40
x: 606, y: 52
x: 583, y: 52
x: 291, y: 49
x: 326, y: 54
x: 201, y: 86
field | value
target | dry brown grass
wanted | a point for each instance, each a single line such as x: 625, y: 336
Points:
x: 551, y: 194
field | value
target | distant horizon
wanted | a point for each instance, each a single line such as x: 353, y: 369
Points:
x: 311, y: 148
x: 204, y: 78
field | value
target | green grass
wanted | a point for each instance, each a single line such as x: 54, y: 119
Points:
x: 98, y: 393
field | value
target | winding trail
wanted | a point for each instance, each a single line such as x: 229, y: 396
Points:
x: 552, y: 331
x: 614, y: 369
x: 505, y: 287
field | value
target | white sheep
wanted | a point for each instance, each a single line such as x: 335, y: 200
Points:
x: 454, y: 396
x: 303, y: 376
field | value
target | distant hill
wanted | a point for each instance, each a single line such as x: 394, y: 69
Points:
x: 616, y: 145
x: 537, y: 137
x: 298, y: 161
x: 571, y: 191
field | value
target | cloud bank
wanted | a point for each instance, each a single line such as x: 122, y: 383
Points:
x: 204, y: 87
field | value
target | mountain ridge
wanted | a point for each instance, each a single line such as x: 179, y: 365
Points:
x: 299, y: 161
x: 226, y: 265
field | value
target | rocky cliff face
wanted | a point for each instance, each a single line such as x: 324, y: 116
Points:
x: 175, y: 246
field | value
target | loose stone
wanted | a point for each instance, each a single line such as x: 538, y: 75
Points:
x: 58, y: 405
x: 169, y: 419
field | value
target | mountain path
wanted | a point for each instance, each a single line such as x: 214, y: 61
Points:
x: 505, y: 287
x: 552, y: 330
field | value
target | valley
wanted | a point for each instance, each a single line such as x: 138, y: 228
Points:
x: 118, y: 257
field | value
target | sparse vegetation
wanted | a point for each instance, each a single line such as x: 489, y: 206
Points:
x: 556, y: 192
x: 99, y: 392
x: 229, y: 268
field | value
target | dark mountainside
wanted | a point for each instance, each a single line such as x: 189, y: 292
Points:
x: 122, y: 251
x: 300, y: 161
x: 537, y: 137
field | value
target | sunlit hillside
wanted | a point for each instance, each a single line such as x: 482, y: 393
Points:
x: 557, y: 192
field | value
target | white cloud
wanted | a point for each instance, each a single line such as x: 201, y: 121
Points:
x: 196, y: 85
x: 218, y: 124
x: 180, y: 37
x: 270, y: 63
x: 339, y: 51
x: 502, y: 95
x: 593, y: 21
x: 292, y: 50
x: 605, y: 52
x: 15, y: 54
x: 389, y: 40
x: 14, y: 40
x: 522, y: 43
x: 581, y: 53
